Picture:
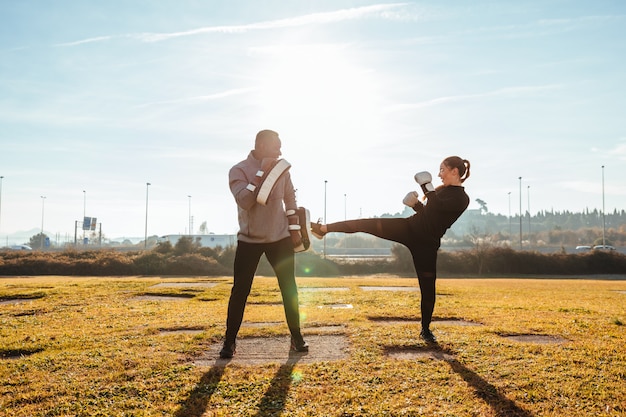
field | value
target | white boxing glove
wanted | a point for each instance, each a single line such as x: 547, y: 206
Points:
x: 424, y: 179
x: 411, y: 199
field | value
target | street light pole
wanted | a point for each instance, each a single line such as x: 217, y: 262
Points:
x: 145, y: 241
x: 520, y: 213
x: 1, y: 178
x: 190, y: 232
x: 510, y: 227
x: 84, y: 212
x: 603, y: 215
x: 43, y: 200
x: 529, y: 216
x: 325, y: 184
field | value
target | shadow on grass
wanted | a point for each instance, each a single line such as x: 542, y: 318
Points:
x: 274, y: 399
x: 195, y: 405
x: 18, y: 353
x: 272, y: 403
x: 501, y: 405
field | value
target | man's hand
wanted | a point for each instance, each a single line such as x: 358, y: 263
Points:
x: 268, y: 163
x: 294, y: 227
x: 295, y: 238
x: 266, y: 166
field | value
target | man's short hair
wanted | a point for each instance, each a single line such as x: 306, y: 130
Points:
x: 263, y: 136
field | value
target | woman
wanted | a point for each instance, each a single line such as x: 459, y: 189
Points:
x: 422, y: 232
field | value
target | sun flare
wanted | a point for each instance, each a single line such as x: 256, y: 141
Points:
x: 318, y: 89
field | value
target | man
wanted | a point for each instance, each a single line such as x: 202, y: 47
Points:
x: 266, y: 206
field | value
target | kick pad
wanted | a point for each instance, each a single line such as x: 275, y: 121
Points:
x: 270, y: 180
x: 304, y: 219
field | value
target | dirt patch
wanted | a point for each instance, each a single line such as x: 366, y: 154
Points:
x: 336, y: 306
x: 442, y: 321
x: 367, y: 288
x: 264, y: 350
x: 393, y: 319
x: 410, y: 353
x: 330, y: 329
x: 322, y: 289
x: 148, y: 297
x: 182, y: 330
x: 19, y: 299
x: 265, y: 303
x: 261, y: 324
x: 13, y: 301
x: 543, y: 339
x: 456, y: 322
x: 185, y: 285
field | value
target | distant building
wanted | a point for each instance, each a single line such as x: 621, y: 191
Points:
x: 209, y: 241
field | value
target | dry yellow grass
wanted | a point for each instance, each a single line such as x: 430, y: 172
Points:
x: 92, y: 347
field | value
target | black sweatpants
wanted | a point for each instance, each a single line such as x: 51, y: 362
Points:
x: 424, y: 254
x: 247, y: 255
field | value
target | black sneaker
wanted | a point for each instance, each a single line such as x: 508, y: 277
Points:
x: 228, y: 350
x: 428, y: 336
x: 298, y: 344
x: 316, y: 229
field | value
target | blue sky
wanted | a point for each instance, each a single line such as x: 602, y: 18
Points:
x: 99, y: 98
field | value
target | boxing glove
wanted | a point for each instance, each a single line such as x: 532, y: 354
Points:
x: 424, y: 179
x: 411, y: 199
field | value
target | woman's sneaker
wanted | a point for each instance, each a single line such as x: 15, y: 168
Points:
x: 228, y: 350
x: 298, y: 344
x: 428, y: 336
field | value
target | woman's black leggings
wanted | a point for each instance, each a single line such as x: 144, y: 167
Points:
x: 424, y: 256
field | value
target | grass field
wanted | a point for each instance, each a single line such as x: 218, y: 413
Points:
x: 128, y: 347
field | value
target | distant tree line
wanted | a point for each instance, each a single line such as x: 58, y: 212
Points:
x: 548, y: 227
x: 188, y: 259
x: 553, y: 228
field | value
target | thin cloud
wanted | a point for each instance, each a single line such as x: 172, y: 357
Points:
x: 582, y: 19
x: 208, y: 97
x: 305, y: 20
x: 619, y: 151
x: 88, y: 40
x: 503, y: 92
x: 592, y: 187
x: 533, y: 29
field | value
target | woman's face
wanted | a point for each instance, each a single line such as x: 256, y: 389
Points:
x: 449, y: 176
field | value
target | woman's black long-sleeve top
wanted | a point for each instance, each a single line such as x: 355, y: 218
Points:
x: 445, y: 205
